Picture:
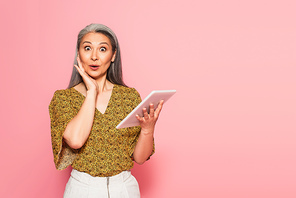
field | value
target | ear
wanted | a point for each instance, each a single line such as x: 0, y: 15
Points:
x: 113, y: 57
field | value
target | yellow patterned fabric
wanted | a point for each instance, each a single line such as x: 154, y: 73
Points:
x: 107, y: 151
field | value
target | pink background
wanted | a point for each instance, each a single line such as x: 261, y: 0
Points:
x: 229, y: 132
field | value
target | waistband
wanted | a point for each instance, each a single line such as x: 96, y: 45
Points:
x: 93, y: 181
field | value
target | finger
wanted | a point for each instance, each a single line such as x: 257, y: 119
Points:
x: 146, y: 116
x: 139, y: 118
x: 78, y: 61
x: 84, y: 75
x: 81, y: 72
x: 78, y: 69
x: 151, y: 112
x: 79, y: 64
x: 159, y: 107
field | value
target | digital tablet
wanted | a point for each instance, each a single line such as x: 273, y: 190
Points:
x: 154, y: 97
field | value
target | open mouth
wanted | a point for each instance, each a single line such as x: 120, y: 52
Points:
x: 94, y: 67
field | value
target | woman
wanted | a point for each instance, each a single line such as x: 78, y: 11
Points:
x: 84, y: 117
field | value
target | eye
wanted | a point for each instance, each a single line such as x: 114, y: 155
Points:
x: 102, y: 49
x: 87, y: 48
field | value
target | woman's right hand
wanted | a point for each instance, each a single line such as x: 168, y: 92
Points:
x: 90, y: 83
x: 78, y: 129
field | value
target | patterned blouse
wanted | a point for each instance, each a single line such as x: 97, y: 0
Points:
x: 108, y: 151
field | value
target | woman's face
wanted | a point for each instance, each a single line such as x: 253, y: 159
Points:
x: 95, y: 53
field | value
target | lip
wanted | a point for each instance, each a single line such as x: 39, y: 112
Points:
x: 94, y: 67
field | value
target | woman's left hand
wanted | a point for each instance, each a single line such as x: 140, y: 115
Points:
x: 148, y: 121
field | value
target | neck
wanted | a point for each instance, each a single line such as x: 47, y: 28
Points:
x: 104, y: 84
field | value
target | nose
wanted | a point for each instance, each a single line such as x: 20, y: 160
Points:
x: 94, y: 56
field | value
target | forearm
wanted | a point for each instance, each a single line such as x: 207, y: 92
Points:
x: 78, y: 129
x: 144, y: 147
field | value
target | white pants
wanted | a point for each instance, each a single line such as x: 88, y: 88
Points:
x: 83, y: 185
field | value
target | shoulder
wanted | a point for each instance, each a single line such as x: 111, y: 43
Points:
x: 80, y: 88
x: 61, y: 95
x: 127, y: 90
x: 129, y: 95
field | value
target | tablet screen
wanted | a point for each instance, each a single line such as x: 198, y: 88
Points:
x: 154, y: 97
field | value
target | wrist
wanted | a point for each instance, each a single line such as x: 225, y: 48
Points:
x: 91, y: 92
x: 147, y: 132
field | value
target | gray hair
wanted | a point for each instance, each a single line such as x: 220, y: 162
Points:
x: 114, y: 72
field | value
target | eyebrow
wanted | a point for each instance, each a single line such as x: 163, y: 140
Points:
x: 99, y: 43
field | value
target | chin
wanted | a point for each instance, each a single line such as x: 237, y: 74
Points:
x: 96, y: 76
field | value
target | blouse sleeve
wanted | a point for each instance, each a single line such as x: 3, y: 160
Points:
x: 61, y: 113
x: 135, y: 131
